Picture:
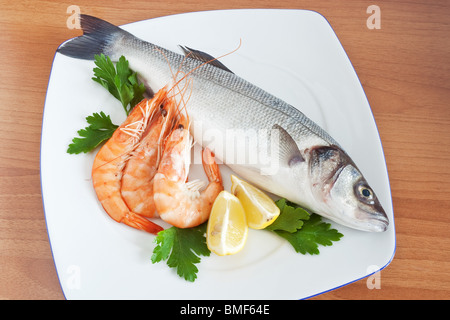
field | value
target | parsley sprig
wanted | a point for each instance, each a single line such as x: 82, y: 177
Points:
x: 182, y: 249
x: 100, y: 129
x: 123, y: 84
x: 304, y: 231
x: 120, y: 81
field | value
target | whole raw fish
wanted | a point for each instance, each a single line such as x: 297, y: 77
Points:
x: 265, y: 140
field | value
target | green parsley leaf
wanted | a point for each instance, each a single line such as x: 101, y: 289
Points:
x: 100, y: 129
x: 120, y: 81
x: 182, y: 249
x: 290, y: 219
x: 313, y: 233
x: 304, y: 231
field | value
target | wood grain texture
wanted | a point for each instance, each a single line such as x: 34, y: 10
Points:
x: 404, y: 70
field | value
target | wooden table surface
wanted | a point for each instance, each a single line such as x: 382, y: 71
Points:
x: 403, y: 67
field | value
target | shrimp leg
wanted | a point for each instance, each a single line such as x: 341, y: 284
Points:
x: 178, y: 202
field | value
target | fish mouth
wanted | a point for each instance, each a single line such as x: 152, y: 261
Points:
x: 377, y: 223
x: 380, y: 224
x: 374, y: 223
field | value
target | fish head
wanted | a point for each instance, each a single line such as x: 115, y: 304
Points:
x: 346, y: 196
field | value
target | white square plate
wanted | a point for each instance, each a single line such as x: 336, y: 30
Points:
x: 292, y: 54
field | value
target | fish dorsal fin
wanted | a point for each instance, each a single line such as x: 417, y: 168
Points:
x: 289, y: 154
x: 204, y: 57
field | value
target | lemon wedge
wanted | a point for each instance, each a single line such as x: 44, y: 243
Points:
x: 260, y: 209
x: 227, y: 228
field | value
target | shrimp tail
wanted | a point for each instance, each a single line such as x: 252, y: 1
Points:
x: 210, y: 166
x: 138, y: 222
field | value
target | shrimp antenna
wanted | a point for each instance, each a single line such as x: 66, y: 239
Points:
x: 174, y: 77
x: 183, y: 101
x: 209, y: 61
x: 190, y: 82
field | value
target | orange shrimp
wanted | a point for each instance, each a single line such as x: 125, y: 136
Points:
x: 124, y: 169
x: 178, y: 202
x: 111, y: 159
x: 137, y: 179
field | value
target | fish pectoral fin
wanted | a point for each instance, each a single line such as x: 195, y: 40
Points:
x: 288, y: 153
x: 204, y: 57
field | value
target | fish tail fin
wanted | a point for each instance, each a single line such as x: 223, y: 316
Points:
x: 98, y: 37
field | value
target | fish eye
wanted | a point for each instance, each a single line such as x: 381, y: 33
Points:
x: 366, y: 192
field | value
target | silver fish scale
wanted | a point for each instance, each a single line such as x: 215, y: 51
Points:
x: 279, y: 112
x: 243, y: 103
